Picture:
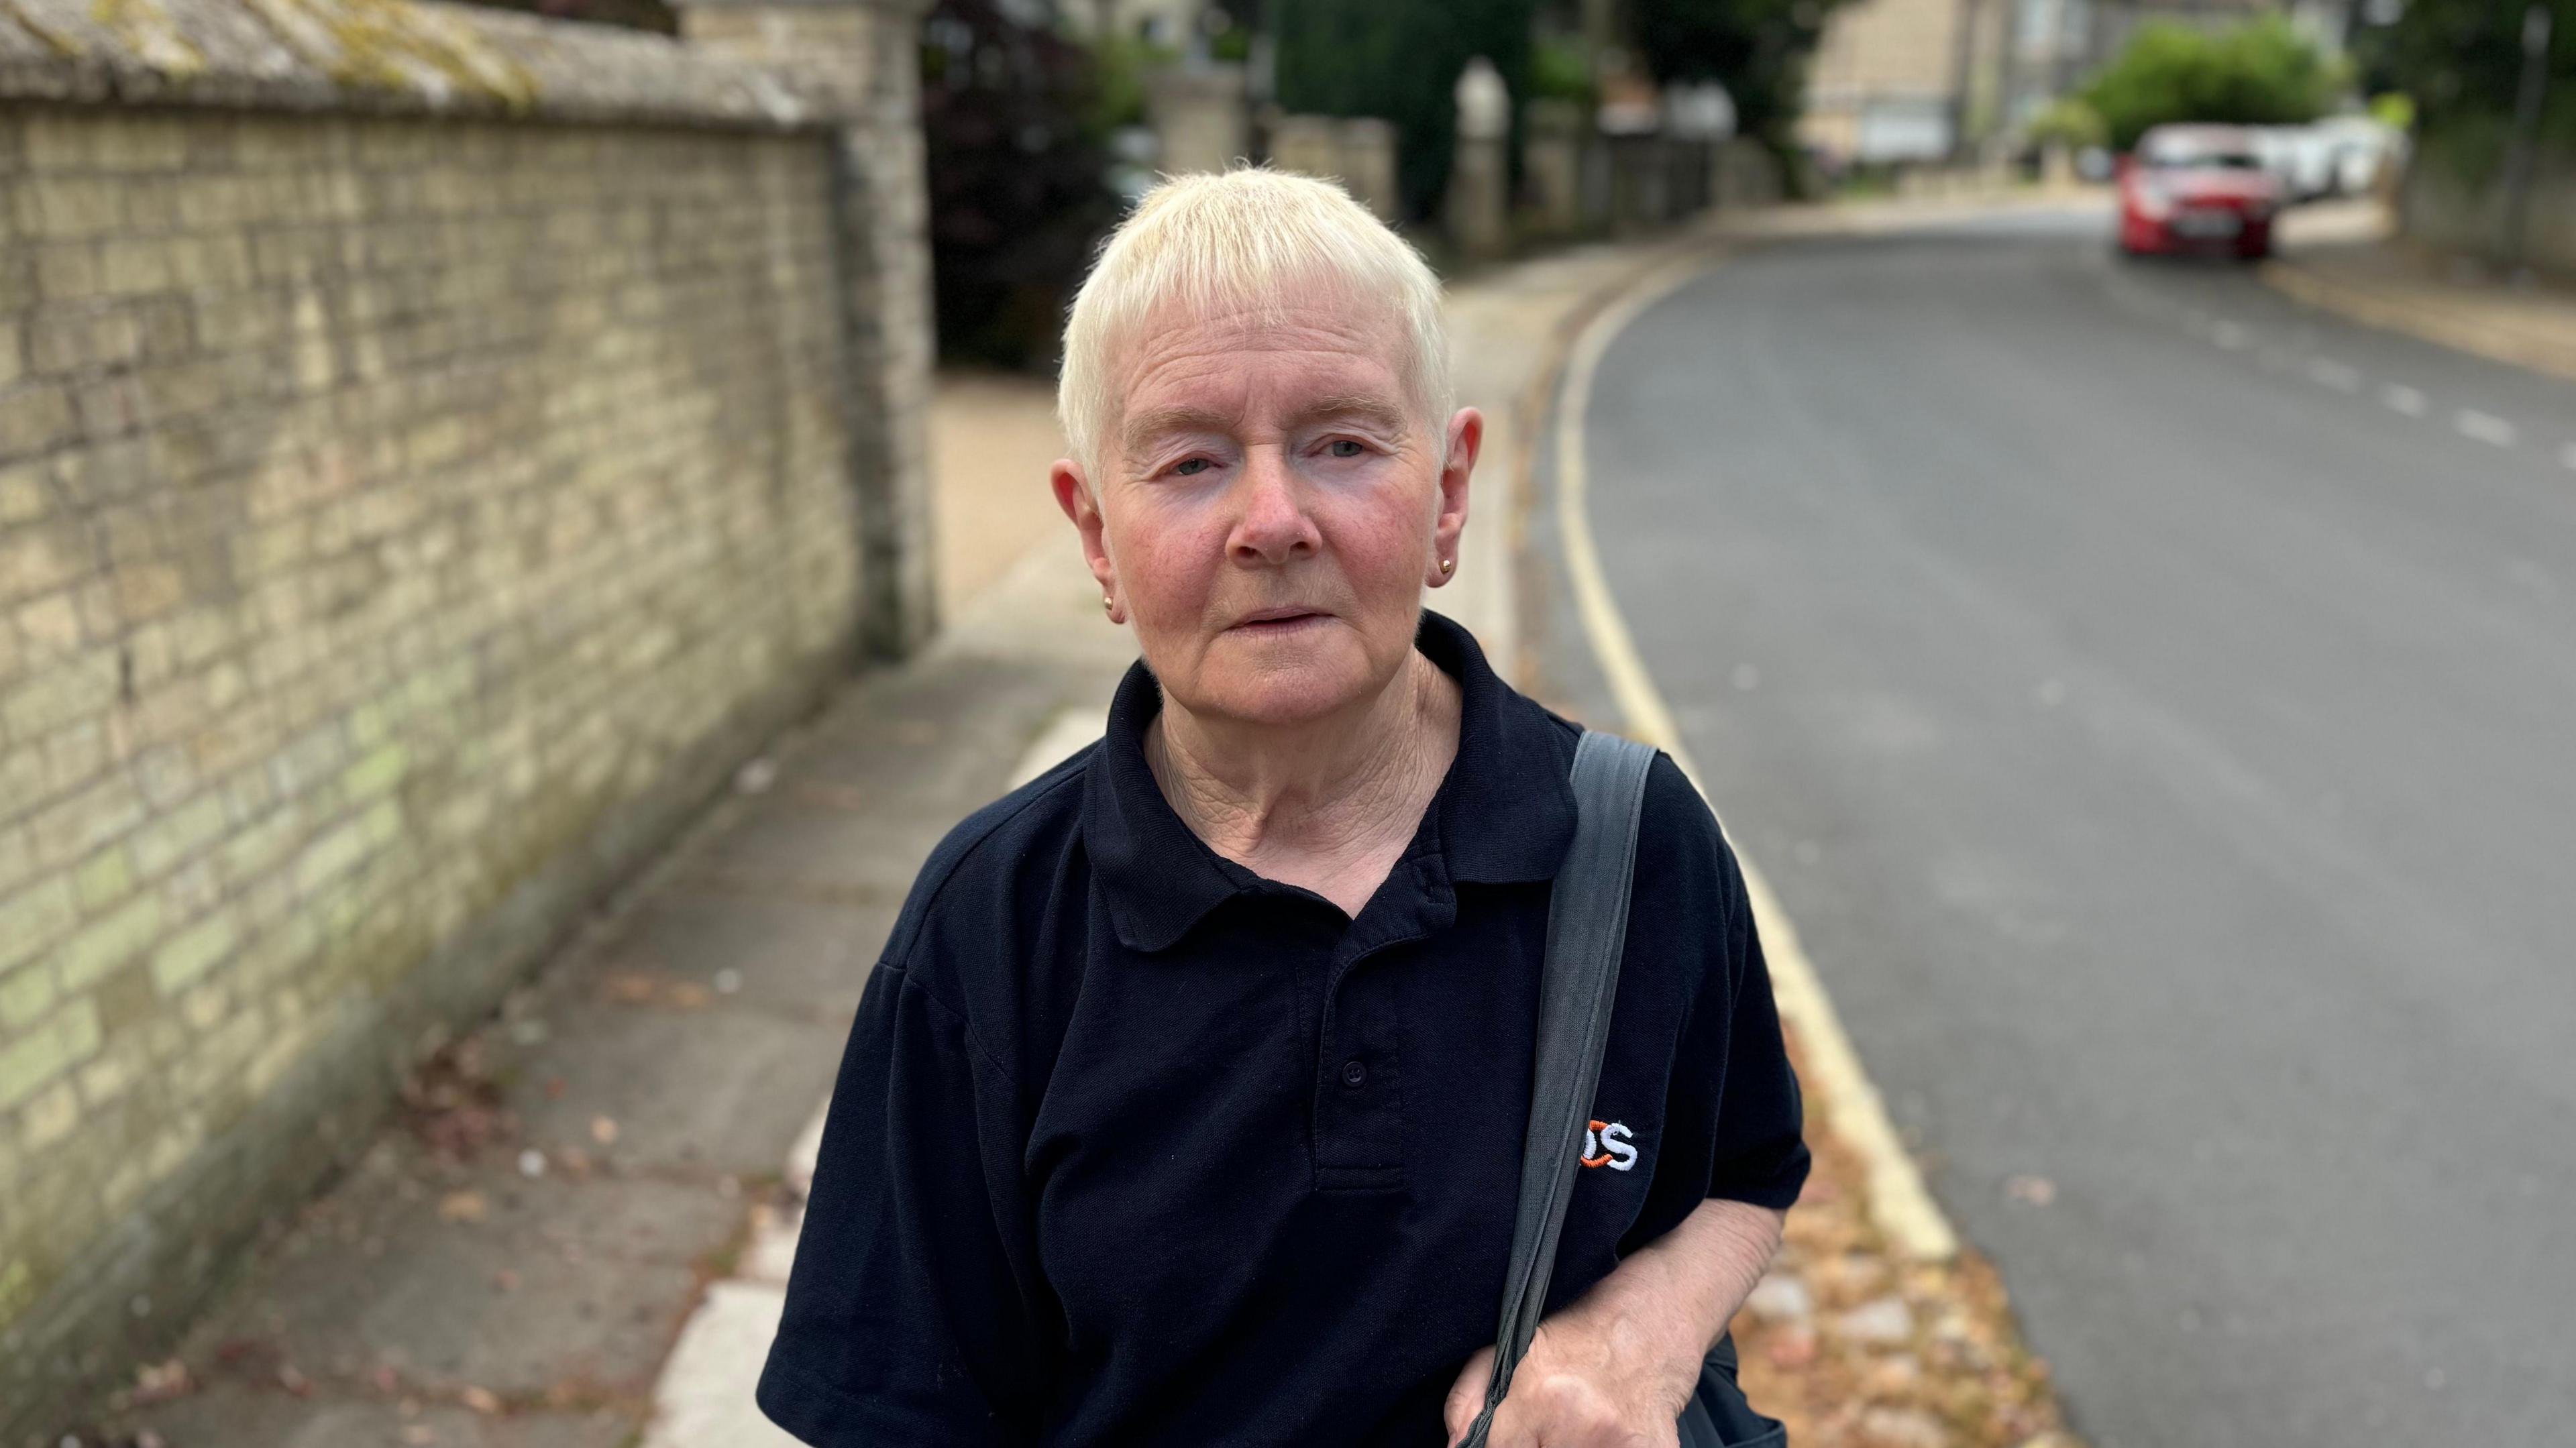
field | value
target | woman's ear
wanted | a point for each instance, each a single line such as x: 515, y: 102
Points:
x: 1073, y: 494
x: 1465, y: 436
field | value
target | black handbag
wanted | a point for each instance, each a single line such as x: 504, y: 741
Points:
x: 1587, y: 927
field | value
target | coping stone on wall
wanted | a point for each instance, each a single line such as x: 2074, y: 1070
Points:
x: 394, y: 57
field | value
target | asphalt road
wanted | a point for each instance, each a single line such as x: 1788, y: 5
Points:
x: 2156, y: 704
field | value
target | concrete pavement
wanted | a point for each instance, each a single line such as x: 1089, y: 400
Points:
x: 1043, y: 616
x: 2344, y: 259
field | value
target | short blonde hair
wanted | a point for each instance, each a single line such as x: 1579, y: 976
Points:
x: 1249, y: 238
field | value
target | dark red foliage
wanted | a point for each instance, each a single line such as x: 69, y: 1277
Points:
x: 1018, y: 196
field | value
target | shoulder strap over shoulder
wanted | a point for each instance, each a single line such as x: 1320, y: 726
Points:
x: 1587, y: 928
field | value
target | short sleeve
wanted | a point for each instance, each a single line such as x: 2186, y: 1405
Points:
x: 1733, y: 1123
x: 909, y: 1310
x: 1759, y: 1152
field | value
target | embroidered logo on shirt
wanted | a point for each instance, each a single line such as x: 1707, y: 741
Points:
x: 1606, y: 1143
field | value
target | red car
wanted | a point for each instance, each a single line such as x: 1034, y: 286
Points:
x: 2197, y: 189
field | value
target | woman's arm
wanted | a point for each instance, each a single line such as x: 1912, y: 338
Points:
x: 1614, y: 1368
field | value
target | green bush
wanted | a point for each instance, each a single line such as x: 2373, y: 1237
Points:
x: 2259, y: 73
x: 2069, y: 122
x: 1122, y: 66
x: 2458, y: 60
x: 1561, y: 70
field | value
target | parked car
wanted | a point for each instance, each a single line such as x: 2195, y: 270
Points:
x: 2197, y: 189
x: 2361, y: 147
x: 2302, y: 158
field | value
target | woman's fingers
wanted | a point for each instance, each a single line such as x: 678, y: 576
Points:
x: 1467, y: 1395
x: 1563, y: 1410
x: 1560, y: 1398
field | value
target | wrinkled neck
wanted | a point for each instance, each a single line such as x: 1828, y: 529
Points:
x: 1344, y: 782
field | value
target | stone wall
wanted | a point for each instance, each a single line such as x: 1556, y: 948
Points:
x: 405, y: 522
x: 2441, y: 206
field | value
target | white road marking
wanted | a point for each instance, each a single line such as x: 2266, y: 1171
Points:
x: 2337, y: 375
x: 1898, y: 1200
x: 2403, y: 399
x: 2486, y: 427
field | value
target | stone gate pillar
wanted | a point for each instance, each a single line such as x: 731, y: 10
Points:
x: 1200, y: 115
x: 1480, y: 170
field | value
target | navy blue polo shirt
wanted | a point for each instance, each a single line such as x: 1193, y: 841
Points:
x: 1132, y: 1146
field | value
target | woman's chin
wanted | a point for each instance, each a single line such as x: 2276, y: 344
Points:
x: 1282, y: 681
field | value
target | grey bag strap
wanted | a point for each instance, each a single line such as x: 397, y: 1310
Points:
x: 1587, y: 927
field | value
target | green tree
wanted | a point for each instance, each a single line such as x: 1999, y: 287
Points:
x: 1399, y: 60
x: 1757, y: 49
x: 2460, y: 63
x: 2260, y: 73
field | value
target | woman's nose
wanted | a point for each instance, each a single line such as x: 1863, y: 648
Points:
x: 1274, y: 526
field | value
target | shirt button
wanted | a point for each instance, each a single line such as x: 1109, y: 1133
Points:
x: 1354, y: 1072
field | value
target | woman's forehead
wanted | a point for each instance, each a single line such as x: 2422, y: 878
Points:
x: 1292, y: 353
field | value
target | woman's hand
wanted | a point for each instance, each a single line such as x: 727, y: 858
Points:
x: 1614, y: 1369
x: 1589, y: 1380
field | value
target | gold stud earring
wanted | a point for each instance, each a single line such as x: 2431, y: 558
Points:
x: 1108, y: 604
x: 1448, y: 566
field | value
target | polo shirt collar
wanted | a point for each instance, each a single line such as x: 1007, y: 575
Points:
x: 1504, y: 814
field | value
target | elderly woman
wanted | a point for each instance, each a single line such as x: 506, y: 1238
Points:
x: 1185, y: 1105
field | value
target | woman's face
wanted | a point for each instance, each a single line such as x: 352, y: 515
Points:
x: 1272, y: 505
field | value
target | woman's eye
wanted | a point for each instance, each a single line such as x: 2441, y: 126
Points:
x: 1192, y: 467
x: 1343, y: 447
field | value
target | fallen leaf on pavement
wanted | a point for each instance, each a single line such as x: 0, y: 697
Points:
x: 1793, y: 1348
x: 603, y: 1130
x: 159, y: 1382
x: 453, y: 1102
x: 630, y: 986
x: 462, y: 1206
x: 480, y: 1400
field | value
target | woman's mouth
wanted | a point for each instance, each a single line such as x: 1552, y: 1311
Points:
x: 1273, y: 622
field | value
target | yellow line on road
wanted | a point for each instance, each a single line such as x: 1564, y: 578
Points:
x: 1898, y: 1201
